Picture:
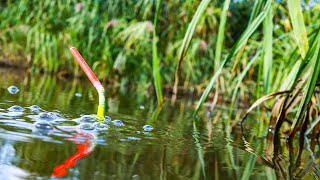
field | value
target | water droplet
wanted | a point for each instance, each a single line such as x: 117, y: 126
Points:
x: 13, y: 90
x: 88, y: 119
x: 209, y: 114
x: 16, y: 108
x: 48, y: 115
x: 287, y: 138
x: 117, y: 122
x: 34, y: 108
x: 141, y: 107
x: 147, y: 128
x: 86, y: 126
x: 43, y: 125
x: 78, y: 94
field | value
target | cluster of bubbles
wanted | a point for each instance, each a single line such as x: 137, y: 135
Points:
x: 51, y: 121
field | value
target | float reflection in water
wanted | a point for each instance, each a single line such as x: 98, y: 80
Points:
x: 85, y: 145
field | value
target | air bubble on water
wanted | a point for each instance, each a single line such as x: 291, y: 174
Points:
x: 78, y: 94
x: 86, y: 126
x: 16, y: 108
x: 117, y: 122
x: 271, y: 130
x: 87, y: 119
x: 287, y: 138
x: 101, y: 126
x: 209, y: 114
x: 34, y: 108
x: 43, y: 125
x: 135, y: 177
x: 13, y: 90
x: 134, y: 138
x: 147, y: 128
x: 48, y: 116
x: 107, y: 119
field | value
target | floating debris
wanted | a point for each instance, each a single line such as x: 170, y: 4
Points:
x: 117, y: 122
x: 13, y: 90
x: 43, y: 125
x: 78, y: 94
x: 87, y: 127
x: 16, y: 108
x: 147, y: 128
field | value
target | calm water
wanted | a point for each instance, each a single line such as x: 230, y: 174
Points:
x: 57, y: 141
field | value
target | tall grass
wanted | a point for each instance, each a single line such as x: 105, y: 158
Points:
x: 221, y: 34
x: 241, y: 41
x: 187, y: 39
x: 267, y: 50
x: 155, y: 58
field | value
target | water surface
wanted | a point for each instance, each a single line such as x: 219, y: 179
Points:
x: 46, y: 131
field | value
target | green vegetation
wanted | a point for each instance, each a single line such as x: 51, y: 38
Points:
x: 270, y: 48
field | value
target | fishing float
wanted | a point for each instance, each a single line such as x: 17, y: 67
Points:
x: 94, y: 80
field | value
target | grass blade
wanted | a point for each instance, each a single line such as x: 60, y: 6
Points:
x: 261, y: 100
x: 187, y: 39
x: 312, y: 126
x: 267, y: 50
x: 222, y: 26
x: 155, y: 58
x: 312, y: 72
x: 298, y: 25
x: 243, y: 74
x: 241, y: 41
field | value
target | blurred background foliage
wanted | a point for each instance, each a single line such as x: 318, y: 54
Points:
x: 115, y: 37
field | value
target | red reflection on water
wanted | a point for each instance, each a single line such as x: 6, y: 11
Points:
x: 85, y: 146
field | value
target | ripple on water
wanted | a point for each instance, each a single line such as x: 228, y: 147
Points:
x: 13, y: 90
x: 16, y: 108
